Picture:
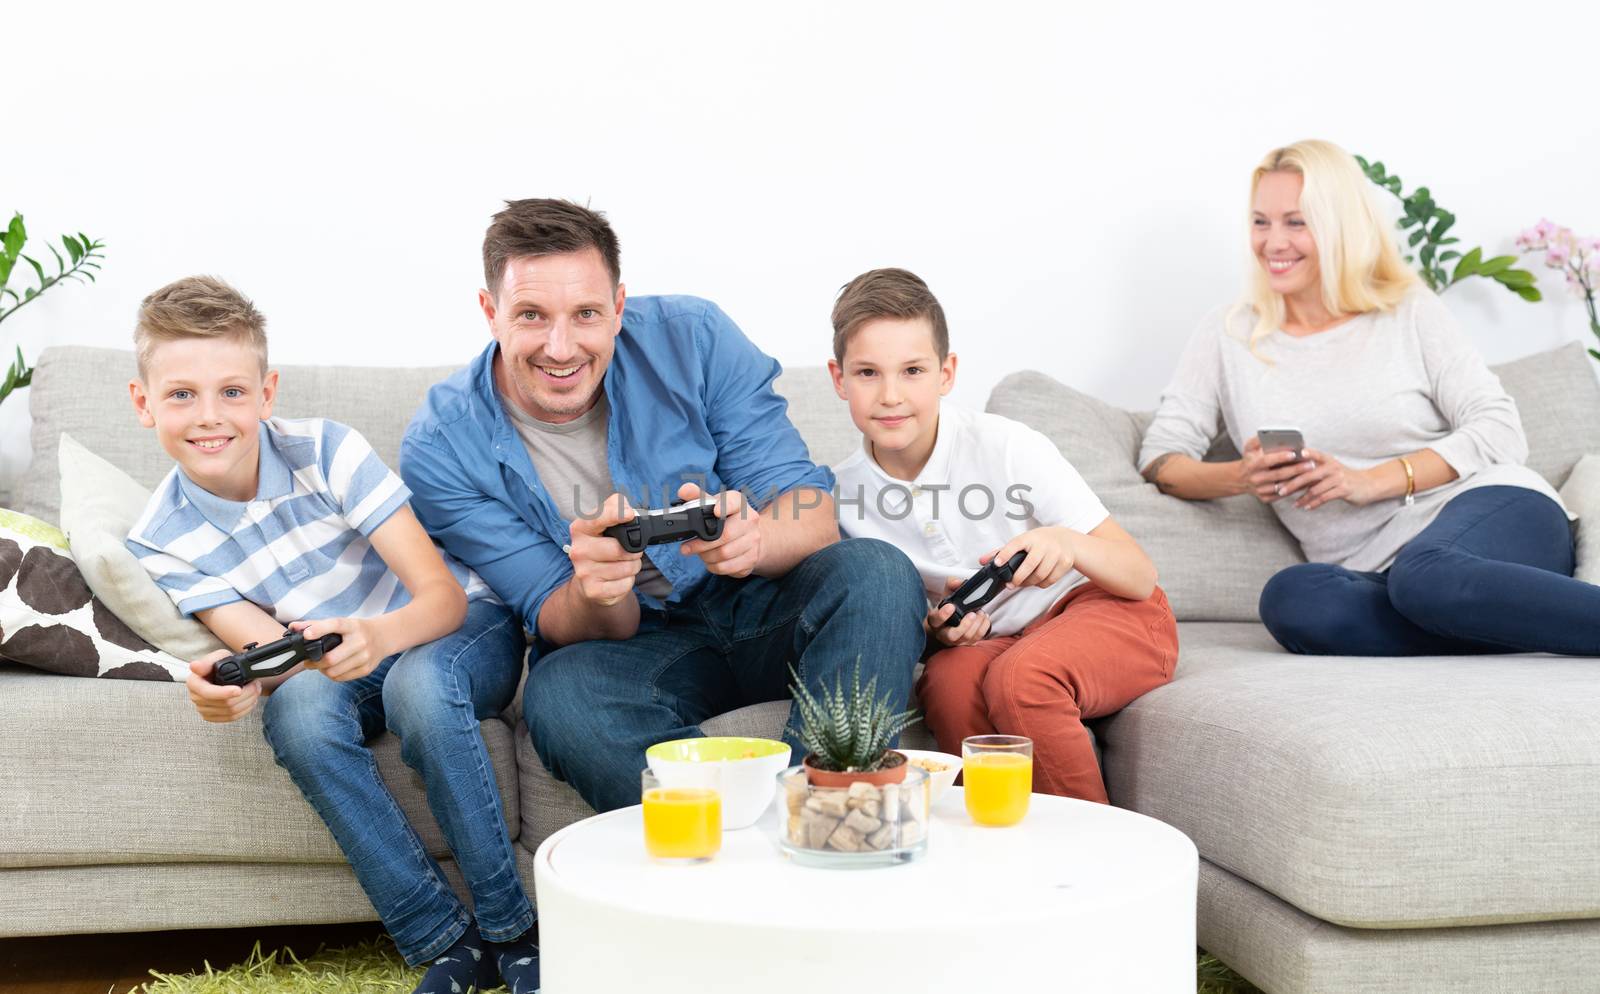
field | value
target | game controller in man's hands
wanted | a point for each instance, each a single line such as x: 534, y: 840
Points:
x: 257, y: 661
x: 981, y: 588
x: 668, y: 524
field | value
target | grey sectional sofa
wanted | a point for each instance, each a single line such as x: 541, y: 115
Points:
x: 1365, y: 825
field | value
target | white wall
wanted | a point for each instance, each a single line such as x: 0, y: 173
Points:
x: 1070, y: 181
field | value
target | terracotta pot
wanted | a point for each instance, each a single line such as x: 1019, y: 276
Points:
x: 893, y: 771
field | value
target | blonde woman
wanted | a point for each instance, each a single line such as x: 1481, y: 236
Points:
x: 1424, y: 532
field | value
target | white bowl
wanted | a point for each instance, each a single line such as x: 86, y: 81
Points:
x: 938, y: 780
x: 748, y: 771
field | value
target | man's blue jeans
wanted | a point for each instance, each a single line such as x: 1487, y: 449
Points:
x: 432, y: 697
x: 594, y: 707
x: 1492, y: 573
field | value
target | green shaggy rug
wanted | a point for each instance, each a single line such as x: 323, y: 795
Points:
x: 376, y: 968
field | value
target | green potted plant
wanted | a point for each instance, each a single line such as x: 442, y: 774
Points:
x: 85, y: 255
x: 1428, y: 224
x: 852, y: 801
x: 847, y: 733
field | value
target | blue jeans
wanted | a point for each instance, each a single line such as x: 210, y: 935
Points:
x: 432, y: 697
x: 1492, y: 573
x: 594, y: 707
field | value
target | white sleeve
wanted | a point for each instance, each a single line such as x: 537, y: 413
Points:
x: 1190, y: 415
x: 1486, y: 429
x: 1057, y: 492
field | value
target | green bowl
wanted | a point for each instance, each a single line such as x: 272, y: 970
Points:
x: 748, y: 768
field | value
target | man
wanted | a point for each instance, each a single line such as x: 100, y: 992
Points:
x: 586, y: 402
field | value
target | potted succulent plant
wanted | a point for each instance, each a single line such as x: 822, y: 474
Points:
x: 847, y: 733
x: 853, y: 800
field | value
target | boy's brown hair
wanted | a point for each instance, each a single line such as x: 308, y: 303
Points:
x: 887, y: 293
x: 198, y: 307
x: 546, y: 227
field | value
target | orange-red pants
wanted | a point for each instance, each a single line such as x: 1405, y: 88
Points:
x: 1088, y: 657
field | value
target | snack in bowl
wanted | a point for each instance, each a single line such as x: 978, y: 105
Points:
x: 941, y: 768
x: 749, y: 767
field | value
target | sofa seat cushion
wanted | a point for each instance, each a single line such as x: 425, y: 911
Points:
x: 1370, y: 792
x: 122, y: 771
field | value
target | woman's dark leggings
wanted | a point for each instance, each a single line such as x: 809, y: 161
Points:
x: 1492, y: 573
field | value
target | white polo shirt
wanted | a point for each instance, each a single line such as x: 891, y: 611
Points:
x: 988, y: 480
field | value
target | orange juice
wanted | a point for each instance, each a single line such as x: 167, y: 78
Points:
x: 682, y: 822
x: 997, y: 787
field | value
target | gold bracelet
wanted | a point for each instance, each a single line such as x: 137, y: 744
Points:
x: 1411, y: 481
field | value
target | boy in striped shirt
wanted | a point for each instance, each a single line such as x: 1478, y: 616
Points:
x: 267, y: 523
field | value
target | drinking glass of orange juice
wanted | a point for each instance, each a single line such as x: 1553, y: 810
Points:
x: 997, y: 771
x: 683, y: 820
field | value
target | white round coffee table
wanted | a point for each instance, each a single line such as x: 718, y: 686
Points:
x: 1080, y: 896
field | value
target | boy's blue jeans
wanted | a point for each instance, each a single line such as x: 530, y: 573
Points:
x: 1492, y: 573
x: 594, y: 707
x: 432, y: 697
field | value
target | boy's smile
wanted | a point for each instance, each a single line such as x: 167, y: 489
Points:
x: 892, y: 377
x: 206, y: 397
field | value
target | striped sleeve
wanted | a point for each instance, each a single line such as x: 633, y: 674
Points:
x: 366, y: 490
x: 189, y: 588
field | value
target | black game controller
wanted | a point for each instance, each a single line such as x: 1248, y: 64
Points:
x: 668, y: 524
x: 981, y: 588
x: 257, y: 661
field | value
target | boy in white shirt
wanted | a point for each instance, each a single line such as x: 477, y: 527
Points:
x: 1080, y: 630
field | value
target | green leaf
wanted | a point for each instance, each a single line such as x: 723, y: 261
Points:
x: 73, y: 248
x: 1468, y: 265
x: 1442, y: 220
x: 1447, y: 256
x: 1498, y: 264
x: 1594, y: 353
x: 1427, y: 255
x: 61, y: 267
x: 1393, y: 183
x: 16, y: 235
x: 1528, y: 293
x: 1511, y: 277
x: 1417, y: 236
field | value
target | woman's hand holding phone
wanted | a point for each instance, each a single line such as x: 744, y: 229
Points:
x: 1267, y: 474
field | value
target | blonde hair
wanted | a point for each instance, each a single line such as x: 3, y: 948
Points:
x: 198, y: 307
x: 1361, y: 268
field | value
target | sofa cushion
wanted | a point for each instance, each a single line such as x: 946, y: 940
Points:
x: 822, y: 419
x: 1581, y: 494
x: 50, y: 620
x: 99, y: 506
x: 1370, y: 792
x: 1213, y: 556
x: 104, y: 772
x: 1558, y: 398
x: 84, y: 391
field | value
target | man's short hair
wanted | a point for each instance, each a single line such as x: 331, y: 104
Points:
x: 887, y: 293
x: 198, y: 307
x: 546, y: 227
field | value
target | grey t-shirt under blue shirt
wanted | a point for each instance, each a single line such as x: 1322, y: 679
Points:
x: 570, y: 459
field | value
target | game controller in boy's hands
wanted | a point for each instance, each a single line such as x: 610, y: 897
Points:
x: 258, y: 661
x: 696, y: 519
x: 981, y: 588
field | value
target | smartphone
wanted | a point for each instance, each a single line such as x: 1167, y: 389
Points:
x: 1280, y: 439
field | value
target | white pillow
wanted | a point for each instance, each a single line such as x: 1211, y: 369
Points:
x: 1581, y: 494
x: 99, y: 505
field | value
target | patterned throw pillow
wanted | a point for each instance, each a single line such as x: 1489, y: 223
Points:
x: 50, y: 621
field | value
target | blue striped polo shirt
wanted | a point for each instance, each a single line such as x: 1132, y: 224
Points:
x: 301, y: 549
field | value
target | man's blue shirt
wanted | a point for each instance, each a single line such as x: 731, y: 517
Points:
x: 691, y: 402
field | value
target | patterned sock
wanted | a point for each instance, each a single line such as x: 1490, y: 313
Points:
x: 519, y: 963
x: 463, y: 968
